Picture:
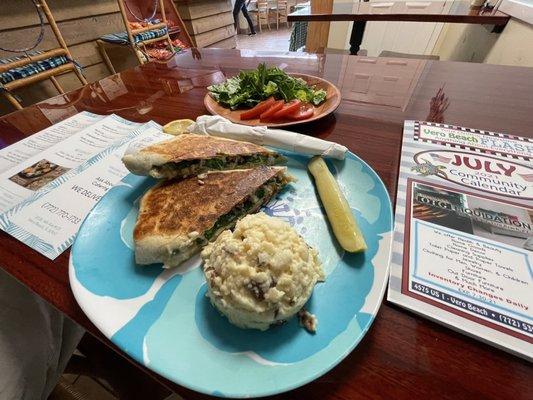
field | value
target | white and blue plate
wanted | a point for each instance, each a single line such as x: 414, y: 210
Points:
x: 163, y: 319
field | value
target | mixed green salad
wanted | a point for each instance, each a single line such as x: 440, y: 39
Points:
x: 251, y: 87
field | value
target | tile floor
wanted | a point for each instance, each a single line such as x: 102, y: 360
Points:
x: 267, y: 40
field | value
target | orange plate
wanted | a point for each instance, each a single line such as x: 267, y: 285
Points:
x: 333, y: 99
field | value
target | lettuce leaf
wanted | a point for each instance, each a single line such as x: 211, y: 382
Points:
x: 250, y: 87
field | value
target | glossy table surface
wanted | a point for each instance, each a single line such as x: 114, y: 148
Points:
x: 418, y: 11
x: 403, y: 356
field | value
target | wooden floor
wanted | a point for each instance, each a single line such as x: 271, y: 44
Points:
x: 84, y: 387
x: 81, y: 387
x: 105, y: 375
x: 277, y: 40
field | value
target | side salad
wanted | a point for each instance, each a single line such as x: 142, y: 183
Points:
x: 268, y: 86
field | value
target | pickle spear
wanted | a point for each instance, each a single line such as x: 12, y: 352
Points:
x: 337, y: 208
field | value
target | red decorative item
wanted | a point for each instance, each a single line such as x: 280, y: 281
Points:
x: 142, y: 13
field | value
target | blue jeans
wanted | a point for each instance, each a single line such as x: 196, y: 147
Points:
x: 240, y: 5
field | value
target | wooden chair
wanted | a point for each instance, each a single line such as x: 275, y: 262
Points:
x: 144, y: 31
x: 282, y: 10
x: 263, y: 14
x: 36, y: 66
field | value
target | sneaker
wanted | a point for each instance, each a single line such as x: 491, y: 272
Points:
x: 252, y: 33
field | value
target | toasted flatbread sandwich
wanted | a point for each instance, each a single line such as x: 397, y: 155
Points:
x: 190, y: 154
x: 177, y: 217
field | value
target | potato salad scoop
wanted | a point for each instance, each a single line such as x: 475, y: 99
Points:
x: 337, y: 208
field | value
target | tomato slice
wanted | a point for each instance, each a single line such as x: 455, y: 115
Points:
x: 287, y: 109
x: 303, y: 112
x: 272, y: 110
x: 258, y: 109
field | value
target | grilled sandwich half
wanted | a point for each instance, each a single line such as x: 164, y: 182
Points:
x: 178, y: 217
x: 190, y: 154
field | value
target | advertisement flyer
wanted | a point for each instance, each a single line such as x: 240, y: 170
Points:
x: 22, y: 179
x: 49, y: 220
x: 463, y: 240
x: 40, y: 141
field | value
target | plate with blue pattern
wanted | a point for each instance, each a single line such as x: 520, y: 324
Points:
x: 163, y: 319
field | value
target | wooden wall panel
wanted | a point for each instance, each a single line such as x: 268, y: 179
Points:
x: 229, y: 43
x: 21, y: 12
x: 213, y: 36
x: 86, y: 53
x: 192, y: 9
x: 208, y: 21
x: 211, y: 22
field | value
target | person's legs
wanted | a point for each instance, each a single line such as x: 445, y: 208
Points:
x: 236, y: 9
x: 36, y: 341
x: 248, y: 19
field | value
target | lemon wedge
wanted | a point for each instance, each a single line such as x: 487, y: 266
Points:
x: 178, y: 126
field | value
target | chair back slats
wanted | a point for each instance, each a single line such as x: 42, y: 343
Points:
x: 39, y: 65
x: 263, y: 14
x: 138, y: 16
x: 148, y: 28
x: 7, y: 64
x: 282, y: 11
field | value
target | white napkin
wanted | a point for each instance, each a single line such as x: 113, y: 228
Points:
x: 215, y: 125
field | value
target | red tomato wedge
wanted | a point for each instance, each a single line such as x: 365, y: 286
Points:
x: 258, y: 109
x: 272, y: 110
x: 303, y: 112
x: 289, y: 108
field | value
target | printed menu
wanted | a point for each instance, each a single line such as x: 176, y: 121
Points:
x: 42, y: 140
x: 45, y: 197
x: 463, y: 240
x: 49, y: 220
x: 32, y: 173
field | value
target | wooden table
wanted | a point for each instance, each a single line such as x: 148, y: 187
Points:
x: 411, y: 11
x: 403, y: 356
